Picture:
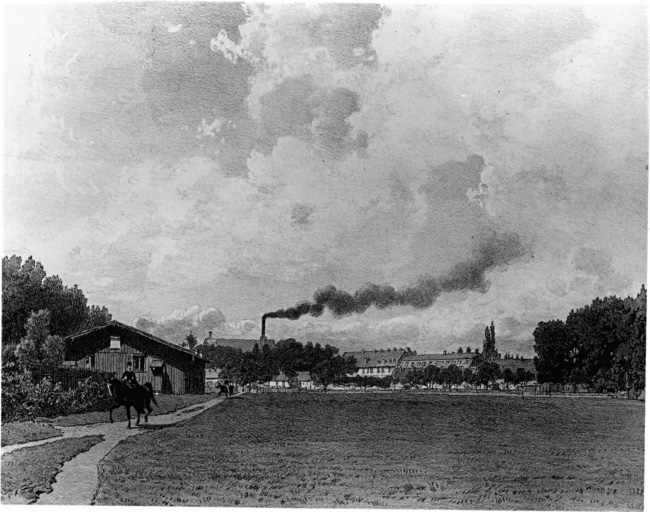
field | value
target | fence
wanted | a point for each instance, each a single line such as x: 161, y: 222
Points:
x: 69, y: 378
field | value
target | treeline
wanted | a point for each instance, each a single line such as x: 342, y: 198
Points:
x: 601, y: 345
x: 289, y: 357
x: 38, y: 312
x: 486, y: 374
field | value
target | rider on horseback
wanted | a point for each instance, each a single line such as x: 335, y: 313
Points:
x: 128, y: 377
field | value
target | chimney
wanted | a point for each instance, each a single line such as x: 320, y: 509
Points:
x: 210, y: 334
x: 263, y: 337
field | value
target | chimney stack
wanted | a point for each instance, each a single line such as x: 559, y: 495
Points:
x: 263, y: 337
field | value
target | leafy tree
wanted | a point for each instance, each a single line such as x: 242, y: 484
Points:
x: 26, y: 289
x: 431, y: 374
x: 190, y: 340
x: 553, y: 346
x: 460, y: 350
x: 488, y: 372
x: 330, y: 367
x: 489, y: 344
x: 508, y: 376
x: 468, y: 376
x: 468, y: 350
x: 601, y: 345
x: 38, y: 346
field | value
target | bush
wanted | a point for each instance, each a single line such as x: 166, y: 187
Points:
x: 23, y: 399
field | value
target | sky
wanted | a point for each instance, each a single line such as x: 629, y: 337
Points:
x: 195, y: 166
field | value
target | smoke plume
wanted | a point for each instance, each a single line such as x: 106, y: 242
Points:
x: 494, y: 251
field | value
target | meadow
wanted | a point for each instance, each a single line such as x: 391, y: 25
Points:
x: 396, y: 450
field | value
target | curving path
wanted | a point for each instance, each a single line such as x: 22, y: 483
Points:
x: 78, y: 479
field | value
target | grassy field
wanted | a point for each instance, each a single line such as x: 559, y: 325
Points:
x: 24, y: 432
x: 28, y: 472
x: 388, y: 451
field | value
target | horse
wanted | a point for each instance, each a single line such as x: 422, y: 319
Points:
x: 140, y: 397
x: 223, y: 389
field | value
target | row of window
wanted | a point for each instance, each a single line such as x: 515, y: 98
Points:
x: 462, y: 362
x: 378, y: 370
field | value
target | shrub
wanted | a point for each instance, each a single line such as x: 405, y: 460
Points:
x: 23, y: 399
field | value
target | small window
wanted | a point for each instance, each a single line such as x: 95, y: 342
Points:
x: 115, y: 343
x: 139, y: 363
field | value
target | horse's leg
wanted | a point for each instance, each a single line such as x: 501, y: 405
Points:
x: 110, y: 412
x: 128, y: 414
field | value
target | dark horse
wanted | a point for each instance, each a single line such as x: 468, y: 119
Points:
x: 223, y: 389
x: 140, y: 397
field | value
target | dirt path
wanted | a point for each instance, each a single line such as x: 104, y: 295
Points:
x: 78, y: 479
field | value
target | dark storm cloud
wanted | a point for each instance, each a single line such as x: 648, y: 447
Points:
x: 301, y: 109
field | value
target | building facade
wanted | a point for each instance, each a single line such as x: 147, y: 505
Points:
x: 377, y: 363
x: 420, y: 362
x: 170, y: 369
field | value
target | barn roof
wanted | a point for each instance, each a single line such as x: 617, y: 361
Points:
x: 139, y: 332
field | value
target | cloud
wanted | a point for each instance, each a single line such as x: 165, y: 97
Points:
x: 260, y: 153
x: 178, y: 324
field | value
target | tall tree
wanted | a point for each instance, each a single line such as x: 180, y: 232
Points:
x: 26, y: 289
x: 38, y: 346
x: 553, y: 347
x: 489, y: 344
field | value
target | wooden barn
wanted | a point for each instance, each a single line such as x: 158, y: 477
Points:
x: 170, y: 369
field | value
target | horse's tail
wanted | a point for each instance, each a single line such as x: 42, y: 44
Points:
x: 111, y: 391
x: 150, y: 388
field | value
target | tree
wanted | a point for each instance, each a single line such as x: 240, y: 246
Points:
x: 38, y: 346
x: 431, y: 374
x: 553, y: 347
x: 508, y: 376
x: 488, y: 372
x: 468, y: 350
x: 460, y: 350
x: 468, y: 376
x: 191, y: 340
x: 26, y: 289
x: 489, y: 344
x: 330, y: 367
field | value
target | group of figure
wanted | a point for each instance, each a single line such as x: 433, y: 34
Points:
x: 227, y: 388
x: 129, y: 393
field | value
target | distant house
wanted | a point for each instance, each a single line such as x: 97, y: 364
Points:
x: 170, y: 368
x: 245, y: 345
x: 420, y: 362
x: 282, y: 381
x: 378, y: 362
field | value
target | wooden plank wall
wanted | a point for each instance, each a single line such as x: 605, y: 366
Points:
x: 181, y: 374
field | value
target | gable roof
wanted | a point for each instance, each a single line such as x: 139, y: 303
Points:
x: 375, y: 358
x: 437, y: 357
x: 139, y: 332
x: 242, y: 344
